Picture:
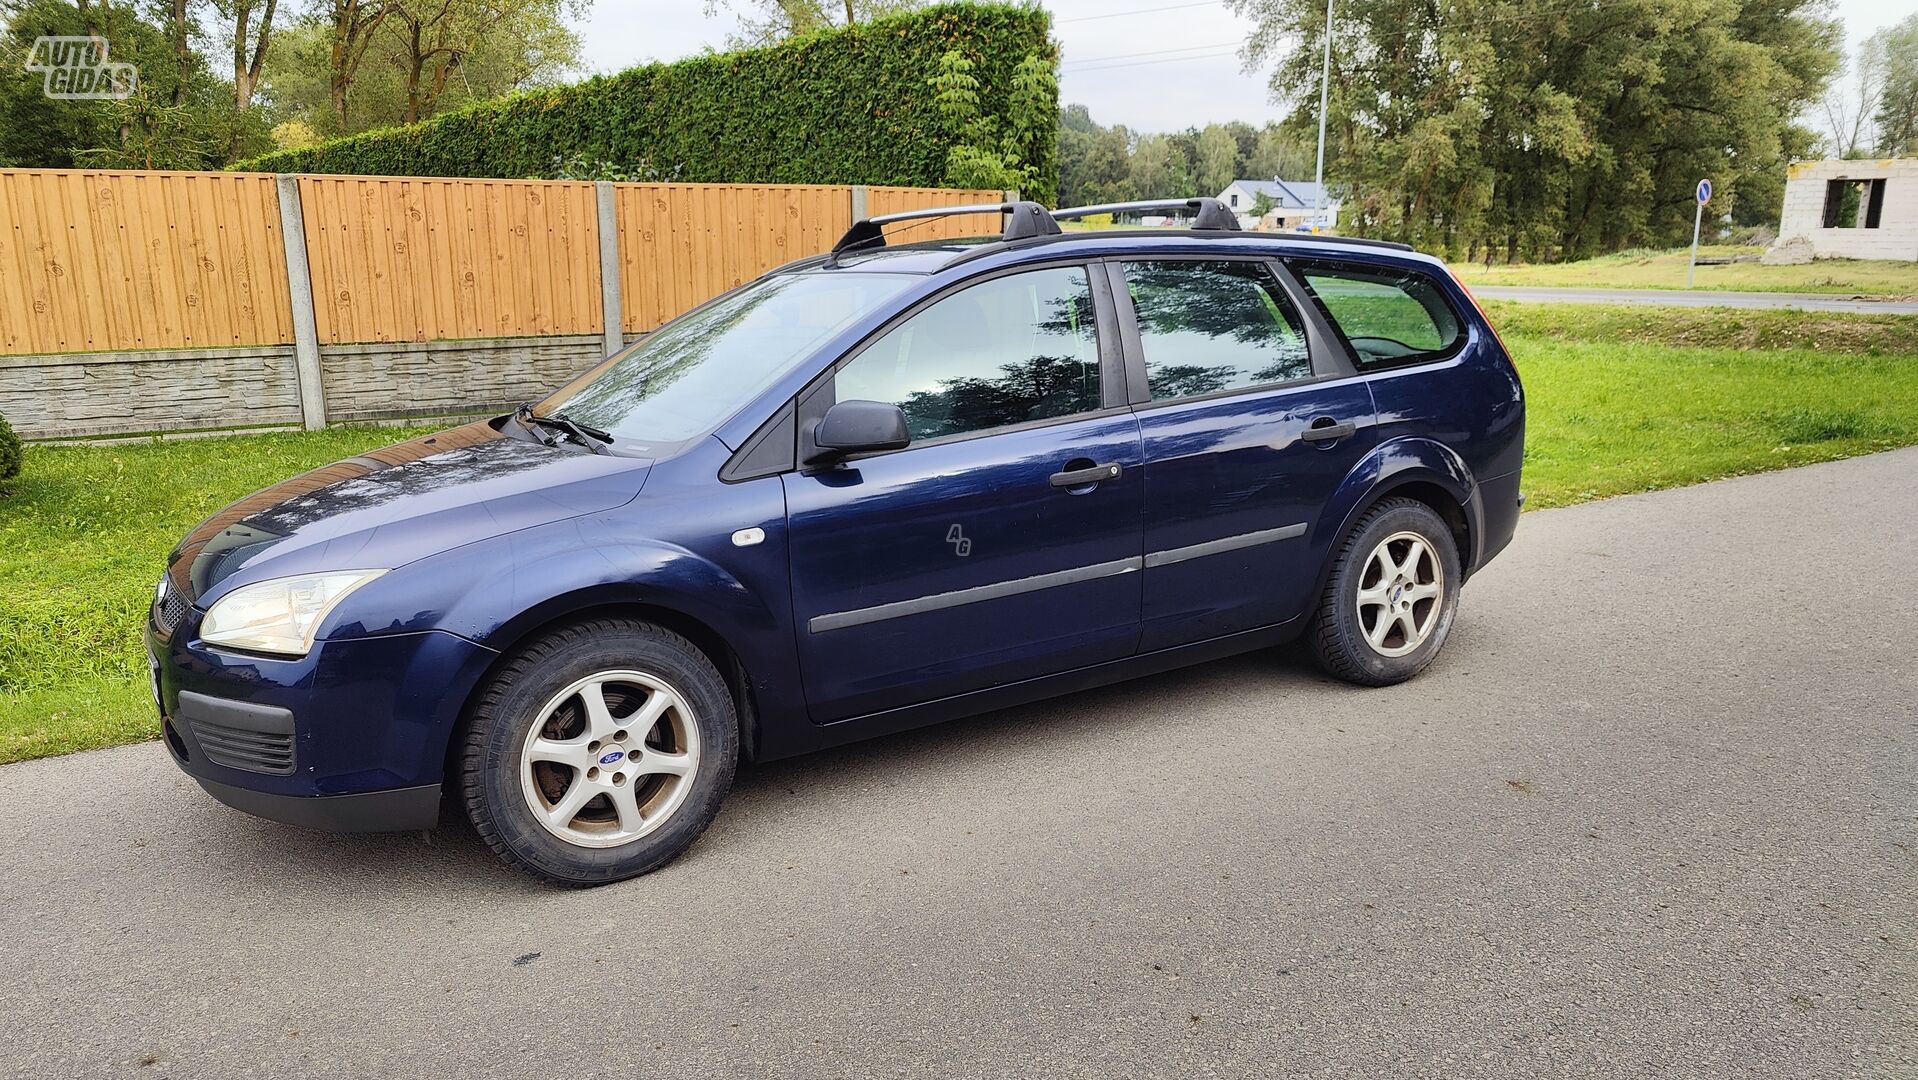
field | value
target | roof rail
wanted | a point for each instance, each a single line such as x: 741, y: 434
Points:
x: 1208, y: 215
x: 1023, y: 219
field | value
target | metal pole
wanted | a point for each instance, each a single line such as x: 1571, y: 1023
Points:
x: 1325, y: 85
x: 1698, y: 217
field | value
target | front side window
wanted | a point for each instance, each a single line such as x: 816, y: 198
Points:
x: 1387, y: 316
x: 1005, y: 351
x: 690, y: 375
x: 1209, y: 326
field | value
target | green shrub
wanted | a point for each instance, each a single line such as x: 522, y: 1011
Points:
x: 855, y: 105
x: 9, y: 452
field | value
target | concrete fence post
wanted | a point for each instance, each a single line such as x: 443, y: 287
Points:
x: 610, y: 297
x: 1012, y: 194
x: 299, y: 286
x: 859, y: 202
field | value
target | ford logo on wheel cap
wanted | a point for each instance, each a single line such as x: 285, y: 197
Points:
x: 611, y: 756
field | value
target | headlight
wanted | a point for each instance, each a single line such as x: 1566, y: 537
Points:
x: 281, y: 615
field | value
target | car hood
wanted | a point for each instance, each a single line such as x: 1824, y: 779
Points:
x: 391, y: 506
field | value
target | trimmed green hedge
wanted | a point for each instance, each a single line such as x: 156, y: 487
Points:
x: 9, y: 451
x: 846, y: 106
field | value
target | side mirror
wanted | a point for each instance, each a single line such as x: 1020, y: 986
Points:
x: 858, y: 427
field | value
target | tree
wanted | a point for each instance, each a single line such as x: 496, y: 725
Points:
x: 1277, y: 153
x: 1158, y: 170
x: 351, y: 26
x: 984, y: 151
x: 179, y: 25
x: 1217, y: 159
x: 1095, y: 162
x: 427, y: 56
x: 762, y: 22
x: 250, y: 41
x: 1543, y: 131
x: 1891, y: 55
x: 179, y: 117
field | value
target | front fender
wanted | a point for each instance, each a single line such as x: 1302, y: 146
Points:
x: 1395, y: 464
x: 496, y: 591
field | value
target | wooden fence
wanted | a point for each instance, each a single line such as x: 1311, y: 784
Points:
x: 94, y: 261
x: 99, y: 261
x: 432, y: 260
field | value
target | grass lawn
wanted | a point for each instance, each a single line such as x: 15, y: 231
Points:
x: 1666, y: 270
x: 1620, y: 400
x: 84, y: 534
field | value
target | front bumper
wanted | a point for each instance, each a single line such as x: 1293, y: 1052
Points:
x: 371, y: 811
x: 351, y: 737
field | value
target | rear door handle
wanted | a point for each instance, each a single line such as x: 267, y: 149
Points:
x: 1072, y: 478
x: 1326, y: 429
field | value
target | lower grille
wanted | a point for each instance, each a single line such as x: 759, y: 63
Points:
x: 169, y: 607
x: 238, y: 748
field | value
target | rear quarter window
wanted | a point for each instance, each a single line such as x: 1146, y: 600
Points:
x: 1388, y: 317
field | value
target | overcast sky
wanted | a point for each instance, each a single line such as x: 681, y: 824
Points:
x: 1152, y: 65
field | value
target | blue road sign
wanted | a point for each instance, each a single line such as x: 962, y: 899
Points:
x: 1704, y: 192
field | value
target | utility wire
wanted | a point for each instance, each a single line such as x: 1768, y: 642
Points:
x: 1150, y: 52
x: 1140, y: 11
x: 1143, y: 63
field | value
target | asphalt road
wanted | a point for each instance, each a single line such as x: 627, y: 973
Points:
x: 1696, y: 298
x: 1652, y: 814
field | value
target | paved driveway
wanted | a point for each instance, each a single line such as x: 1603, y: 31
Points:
x: 1652, y: 814
x: 1696, y: 298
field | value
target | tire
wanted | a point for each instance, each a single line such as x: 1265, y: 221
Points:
x: 636, y: 746
x: 1344, y: 638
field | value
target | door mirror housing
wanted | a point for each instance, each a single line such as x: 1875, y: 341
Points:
x: 858, y: 427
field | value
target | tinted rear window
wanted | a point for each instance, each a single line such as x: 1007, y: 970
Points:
x: 1387, y: 316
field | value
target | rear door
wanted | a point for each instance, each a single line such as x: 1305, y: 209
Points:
x: 973, y: 557
x: 1251, y: 417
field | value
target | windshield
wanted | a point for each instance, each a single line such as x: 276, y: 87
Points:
x: 688, y: 376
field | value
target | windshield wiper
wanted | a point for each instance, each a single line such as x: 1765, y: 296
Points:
x: 586, y: 435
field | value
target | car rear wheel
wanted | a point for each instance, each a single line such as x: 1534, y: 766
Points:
x: 599, y: 752
x: 1390, y: 598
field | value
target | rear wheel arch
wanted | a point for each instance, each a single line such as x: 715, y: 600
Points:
x: 1444, y: 493
x: 1449, y: 508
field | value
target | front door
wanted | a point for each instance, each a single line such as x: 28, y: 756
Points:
x: 1004, y: 543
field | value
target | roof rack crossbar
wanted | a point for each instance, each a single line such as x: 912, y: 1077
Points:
x: 1023, y: 219
x: 1208, y: 215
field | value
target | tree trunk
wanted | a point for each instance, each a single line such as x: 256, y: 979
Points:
x: 246, y: 66
x: 182, y: 54
x: 415, y: 65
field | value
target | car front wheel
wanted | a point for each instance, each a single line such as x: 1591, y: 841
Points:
x: 1390, y: 598
x: 599, y: 752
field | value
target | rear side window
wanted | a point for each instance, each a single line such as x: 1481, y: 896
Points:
x: 1387, y: 316
x: 1211, y: 326
x: 1006, y: 351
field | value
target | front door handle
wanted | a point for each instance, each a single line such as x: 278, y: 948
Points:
x: 1072, y: 478
x: 1324, y: 429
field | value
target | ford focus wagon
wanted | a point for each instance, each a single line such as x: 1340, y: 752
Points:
x: 874, y: 489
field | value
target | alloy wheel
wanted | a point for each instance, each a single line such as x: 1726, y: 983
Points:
x: 609, y: 758
x: 1401, y: 592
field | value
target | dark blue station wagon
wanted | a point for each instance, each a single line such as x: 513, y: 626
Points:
x: 868, y: 491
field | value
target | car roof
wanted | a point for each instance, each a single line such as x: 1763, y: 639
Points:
x: 934, y: 256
